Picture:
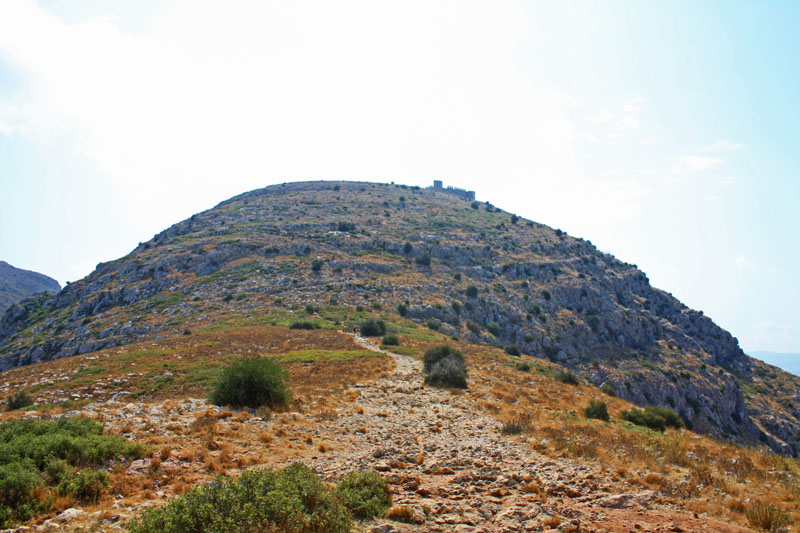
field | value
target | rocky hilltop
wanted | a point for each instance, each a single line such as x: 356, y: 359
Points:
x: 466, y: 269
x: 17, y: 284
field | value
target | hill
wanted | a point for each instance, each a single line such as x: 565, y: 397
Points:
x: 466, y: 269
x: 17, y: 284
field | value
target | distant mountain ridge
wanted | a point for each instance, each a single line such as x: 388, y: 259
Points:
x: 17, y: 284
x: 468, y: 269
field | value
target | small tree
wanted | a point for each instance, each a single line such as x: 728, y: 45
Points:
x: 252, y: 383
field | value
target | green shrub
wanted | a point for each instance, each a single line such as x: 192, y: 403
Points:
x: 597, y: 410
x: 524, y: 366
x: 293, y: 500
x: 40, y: 453
x: 390, y: 340
x: 84, y: 485
x: 766, y: 517
x: 345, y: 226
x: 567, y: 377
x: 316, y: 265
x: 474, y: 327
x: 494, y: 328
x: 471, y: 291
x: 252, y: 383
x: 424, y: 259
x: 445, y: 367
x: 456, y: 306
x: 433, y: 324
x: 513, y: 350
x: 654, y: 417
x: 402, y: 309
x: 303, y: 324
x: 366, y: 493
x: 373, y: 328
x: 18, y: 400
x: 608, y: 388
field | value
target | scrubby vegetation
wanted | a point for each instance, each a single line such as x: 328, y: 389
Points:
x: 366, y: 493
x: 766, y: 517
x: 303, y: 324
x: 445, y: 367
x: 597, y: 410
x: 373, y: 328
x: 567, y: 377
x: 252, y: 383
x: 293, y: 500
x: 653, y: 417
x: 42, y: 459
x: 18, y: 400
x: 390, y: 340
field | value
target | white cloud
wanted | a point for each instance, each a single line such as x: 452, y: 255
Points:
x: 724, y: 145
x: 690, y: 164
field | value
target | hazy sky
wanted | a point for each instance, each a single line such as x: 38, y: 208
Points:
x: 667, y: 133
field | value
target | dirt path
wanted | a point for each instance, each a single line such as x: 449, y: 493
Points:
x: 454, y: 470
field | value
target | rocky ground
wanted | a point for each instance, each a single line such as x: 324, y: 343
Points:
x: 449, y: 466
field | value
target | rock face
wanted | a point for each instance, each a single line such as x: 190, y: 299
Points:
x: 468, y: 269
x: 17, y: 284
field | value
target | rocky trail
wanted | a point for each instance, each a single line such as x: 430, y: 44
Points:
x: 453, y: 470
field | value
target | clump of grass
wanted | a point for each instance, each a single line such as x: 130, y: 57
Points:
x: 445, y: 367
x: 390, y: 340
x: 366, y: 493
x: 52, y: 458
x: 766, y: 517
x: 597, y: 410
x: 524, y: 366
x: 293, y: 500
x: 18, y: 400
x: 511, y: 428
x: 252, y: 383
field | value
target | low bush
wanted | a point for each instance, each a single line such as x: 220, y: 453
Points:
x: 654, y: 417
x: 567, y: 377
x: 252, y: 383
x: 54, y: 457
x: 473, y: 326
x: 524, y: 366
x: 445, y: 367
x: 18, y: 400
x: 424, y: 259
x: 513, y: 350
x: 402, y: 309
x: 293, y: 500
x: 471, y: 291
x: 493, y: 328
x: 390, y: 340
x: 303, y: 324
x: 608, y: 388
x: 373, y: 328
x: 433, y: 324
x: 366, y: 494
x: 597, y: 410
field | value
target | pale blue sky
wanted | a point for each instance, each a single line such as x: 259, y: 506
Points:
x: 664, y: 132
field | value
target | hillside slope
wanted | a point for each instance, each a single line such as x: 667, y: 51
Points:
x: 17, y: 284
x: 468, y: 269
